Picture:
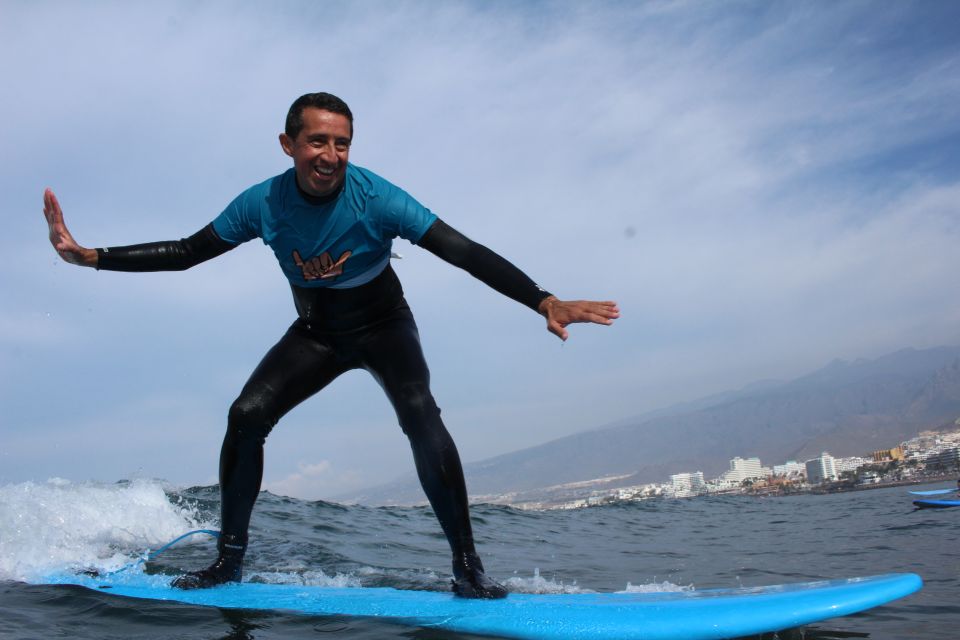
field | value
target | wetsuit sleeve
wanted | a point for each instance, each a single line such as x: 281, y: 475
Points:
x: 171, y: 255
x: 483, y: 264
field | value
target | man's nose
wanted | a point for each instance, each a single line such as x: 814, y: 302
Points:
x: 328, y: 151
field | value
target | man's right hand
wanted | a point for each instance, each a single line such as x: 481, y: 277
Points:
x: 60, y: 237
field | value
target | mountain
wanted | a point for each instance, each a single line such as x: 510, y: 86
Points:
x: 846, y: 408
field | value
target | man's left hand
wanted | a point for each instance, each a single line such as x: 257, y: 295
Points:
x: 560, y: 313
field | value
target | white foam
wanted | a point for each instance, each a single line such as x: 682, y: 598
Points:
x: 539, y: 584
x: 313, y: 577
x: 59, y: 525
x: 657, y: 587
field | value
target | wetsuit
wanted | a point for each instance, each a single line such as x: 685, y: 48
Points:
x: 351, y: 313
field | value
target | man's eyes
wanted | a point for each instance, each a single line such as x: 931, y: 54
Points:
x: 339, y: 145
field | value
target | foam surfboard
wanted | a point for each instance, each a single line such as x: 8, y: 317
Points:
x: 936, y: 504
x: 934, y: 492
x: 686, y: 615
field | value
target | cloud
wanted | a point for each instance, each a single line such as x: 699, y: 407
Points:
x: 313, y: 480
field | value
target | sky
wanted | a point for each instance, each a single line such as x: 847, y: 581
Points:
x: 763, y: 187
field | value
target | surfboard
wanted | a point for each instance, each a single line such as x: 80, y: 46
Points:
x: 686, y: 615
x: 934, y: 492
x: 936, y: 504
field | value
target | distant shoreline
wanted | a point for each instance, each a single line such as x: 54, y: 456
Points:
x: 883, y: 485
x: 816, y: 490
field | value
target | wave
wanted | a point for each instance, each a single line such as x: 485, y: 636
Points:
x: 60, y: 525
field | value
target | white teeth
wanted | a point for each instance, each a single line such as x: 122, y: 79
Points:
x: 326, y: 172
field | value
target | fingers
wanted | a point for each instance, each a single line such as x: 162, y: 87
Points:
x: 592, y: 318
x: 51, y: 208
x: 336, y: 268
x: 560, y: 332
x: 590, y: 315
x: 59, y: 235
x: 557, y: 329
x: 322, y: 266
x: 312, y: 268
x: 309, y: 268
x: 603, y: 316
x: 606, y: 309
x: 587, y: 311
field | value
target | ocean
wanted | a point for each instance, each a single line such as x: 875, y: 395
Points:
x: 698, y: 543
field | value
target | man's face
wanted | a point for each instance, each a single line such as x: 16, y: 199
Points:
x: 320, y: 151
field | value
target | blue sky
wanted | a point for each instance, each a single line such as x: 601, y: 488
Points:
x: 762, y: 186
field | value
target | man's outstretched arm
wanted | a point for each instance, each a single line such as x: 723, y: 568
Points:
x: 449, y: 244
x: 171, y: 255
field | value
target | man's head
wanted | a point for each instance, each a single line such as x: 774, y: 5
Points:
x: 318, y: 133
x: 324, y: 102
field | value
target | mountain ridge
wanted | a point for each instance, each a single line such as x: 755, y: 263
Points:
x: 847, y: 408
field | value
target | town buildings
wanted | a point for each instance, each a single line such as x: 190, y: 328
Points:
x: 929, y: 454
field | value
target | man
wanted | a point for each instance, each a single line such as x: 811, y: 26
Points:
x: 330, y: 225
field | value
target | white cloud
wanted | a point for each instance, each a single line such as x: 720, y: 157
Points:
x: 314, y: 480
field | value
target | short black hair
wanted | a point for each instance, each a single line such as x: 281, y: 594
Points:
x: 321, y: 100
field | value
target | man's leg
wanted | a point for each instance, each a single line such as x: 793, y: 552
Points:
x: 392, y: 353
x: 297, y: 367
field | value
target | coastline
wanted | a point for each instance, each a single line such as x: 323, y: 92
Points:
x: 832, y: 488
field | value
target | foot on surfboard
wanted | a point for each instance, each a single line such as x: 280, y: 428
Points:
x: 227, y: 568
x: 469, y: 580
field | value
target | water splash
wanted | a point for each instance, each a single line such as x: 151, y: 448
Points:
x: 60, y: 526
x: 657, y: 587
x: 313, y: 578
x: 539, y: 584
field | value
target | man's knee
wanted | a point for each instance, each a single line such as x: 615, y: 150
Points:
x: 249, y: 419
x: 416, y: 409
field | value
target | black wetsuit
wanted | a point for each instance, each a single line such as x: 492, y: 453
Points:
x: 365, y: 327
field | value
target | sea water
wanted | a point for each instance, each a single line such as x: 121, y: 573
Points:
x: 656, y: 545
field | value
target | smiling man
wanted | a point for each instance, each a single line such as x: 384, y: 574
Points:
x: 320, y: 154
x: 330, y: 225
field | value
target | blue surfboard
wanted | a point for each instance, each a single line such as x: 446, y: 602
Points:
x: 936, y: 504
x: 687, y: 615
x: 934, y: 492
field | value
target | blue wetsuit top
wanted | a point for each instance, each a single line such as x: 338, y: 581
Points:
x: 343, y: 243
x: 333, y: 243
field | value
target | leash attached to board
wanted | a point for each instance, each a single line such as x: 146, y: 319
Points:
x: 149, y: 555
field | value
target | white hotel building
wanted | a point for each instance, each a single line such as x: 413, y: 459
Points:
x: 685, y: 485
x: 790, y: 468
x: 822, y: 469
x: 744, y: 469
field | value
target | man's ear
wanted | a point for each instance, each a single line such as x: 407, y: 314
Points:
x: 286, y: 142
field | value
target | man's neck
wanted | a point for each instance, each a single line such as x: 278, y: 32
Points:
x: 318, y: 200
